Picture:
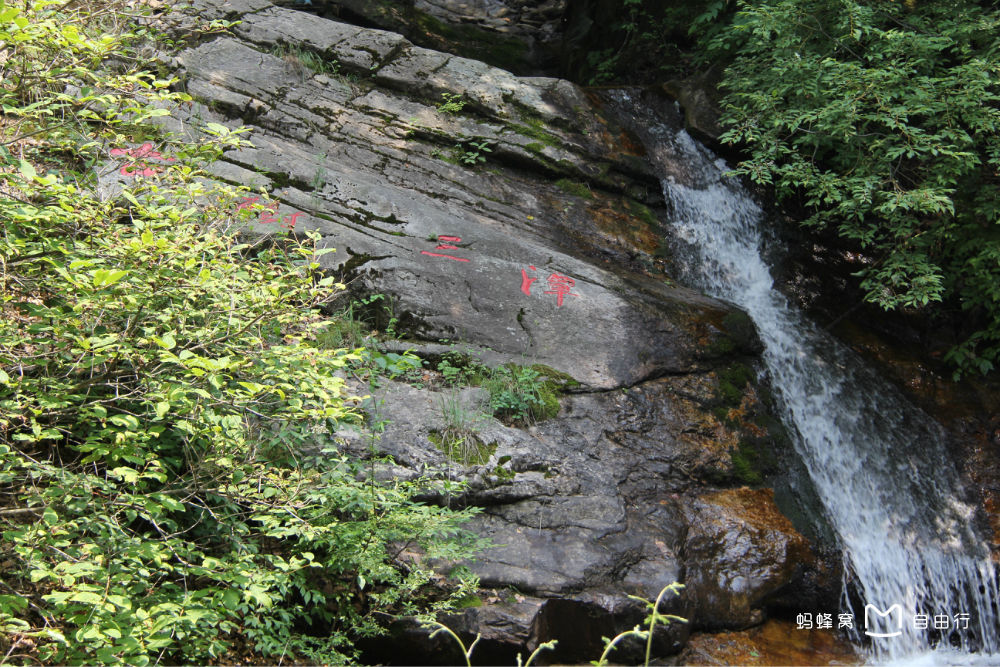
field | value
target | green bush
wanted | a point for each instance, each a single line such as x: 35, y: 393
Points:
x: 159, y: 383
x: 520, y: 394
x: 882, y: 119
x: 456, y: 370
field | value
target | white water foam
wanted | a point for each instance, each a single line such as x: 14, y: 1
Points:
x: 877, y: 462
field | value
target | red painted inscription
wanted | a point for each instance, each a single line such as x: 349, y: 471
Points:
x: 559, y: 285
x: 446, y: 243
x: 268, y: 211
x: 143, y: 152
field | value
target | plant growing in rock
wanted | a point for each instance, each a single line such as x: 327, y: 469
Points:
x: 303, y: 59
x: 459, y: 439
x: 520, y: 394
x: 455, y: 371
x: 471, y: 152
x: 453, y: 103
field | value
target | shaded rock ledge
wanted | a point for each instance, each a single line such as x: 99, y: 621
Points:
x: 526, y: 227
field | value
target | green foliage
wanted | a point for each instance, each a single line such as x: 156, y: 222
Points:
x: 459, y: 439
x: 575, y: 188
x: 307, y: 59
x: 520, y: 394
x: 456, y: 371
x: 471, y: 152
x: 343, y: 331
x: 881, y: 118
x: 637, y: 41
x: 440, y: 628
x: 159, y: 381
x: 654, y: 618
x: 394, y: 365
x: 466, y: 652
x: 453, y: 103
x: 535, y: 129
x: 733, y: 381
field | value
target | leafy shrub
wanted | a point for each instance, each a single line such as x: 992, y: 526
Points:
x: 453, y: 103
x: 471, y: 152
x: 158, y: 378
x: 882, y: 119
x: 456, y: 371
x: 520, y: 394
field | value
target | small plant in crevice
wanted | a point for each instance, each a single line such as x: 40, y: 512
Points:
x: 302, y: 59
x: 456, y: 371
x: 453, y: 103
x: 343, y: 330
x: 520, y: 394
x: 319, y: 178
x: 575, y: 188
x: 470, y: 152
x: 395, y: 365
x: 459, y: 438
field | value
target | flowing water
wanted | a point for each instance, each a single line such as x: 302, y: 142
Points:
x: 876, y: 461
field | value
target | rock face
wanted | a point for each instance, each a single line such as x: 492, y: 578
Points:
x: 731, y: 580
x: 519, y: 35
x: 523, y: 225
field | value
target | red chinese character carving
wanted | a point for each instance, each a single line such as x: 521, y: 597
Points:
x: 289, y: 220
x: 137, y: 168
x: 560, y: 286
x: 526, y: 281
x: 437, y: 254
x: 268, y: 212
x: 447, y: 245
x: 267, y: 215
x: 247, y: 202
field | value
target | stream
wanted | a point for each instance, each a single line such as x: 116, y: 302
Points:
x: 918, y: 581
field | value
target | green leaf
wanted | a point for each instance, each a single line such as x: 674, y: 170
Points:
x: 167, y: 342
x: 87, y: 597
x: 7, y: 15
x: 27, y: 170
x: 230, y: 599
x: 127, y: 475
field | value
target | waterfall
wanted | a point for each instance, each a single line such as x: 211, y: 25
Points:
x: 876, y: 461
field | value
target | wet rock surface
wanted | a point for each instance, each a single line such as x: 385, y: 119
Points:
x: 731, y: 580
x: 525, y: 225
x: 774, y: 643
